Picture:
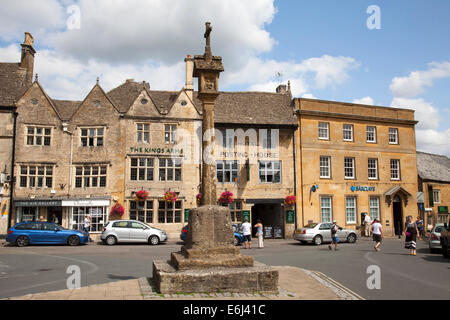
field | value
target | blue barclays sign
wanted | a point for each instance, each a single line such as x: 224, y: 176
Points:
x: 359, y: 188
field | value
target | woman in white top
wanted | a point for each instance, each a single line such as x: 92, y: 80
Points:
x: 377, y: 234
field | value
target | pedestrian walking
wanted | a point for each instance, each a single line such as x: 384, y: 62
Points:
x: 367, y: 222
x: 247, y: 233
x: 334, y: 239
x: 259, y: 233
x: 411, y: 235
x: 87, y: 226
x: 377, y: 232
x: 419, y: 224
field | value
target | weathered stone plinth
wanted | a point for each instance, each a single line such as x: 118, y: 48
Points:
x: 258, y: 278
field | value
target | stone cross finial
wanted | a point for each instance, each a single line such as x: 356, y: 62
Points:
x: 207, y: 36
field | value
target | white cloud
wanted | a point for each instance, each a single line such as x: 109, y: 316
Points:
x: 433, y: 141
x: 427, y: 115
x: 415, y: 84
x: 365, y: 100
x: 308, y: 96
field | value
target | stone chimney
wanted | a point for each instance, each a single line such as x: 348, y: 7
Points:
x: 189, y: 86
x: 282, y: 88
x: 27, y: 59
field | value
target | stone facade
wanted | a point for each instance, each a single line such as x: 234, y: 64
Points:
x: 343, y: 195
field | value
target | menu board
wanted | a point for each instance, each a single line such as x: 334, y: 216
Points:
x: 278, y: 233
x: 268, y: 232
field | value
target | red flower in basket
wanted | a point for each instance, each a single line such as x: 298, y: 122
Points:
x: 289, y: 201
x: 170, y: 196
x: 226, y: 197
x: 199, y: 198
x: 117, y: 210
x: 141, y: 195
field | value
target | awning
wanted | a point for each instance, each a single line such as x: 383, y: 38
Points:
x: 397, y: 191
x: 264, y: 201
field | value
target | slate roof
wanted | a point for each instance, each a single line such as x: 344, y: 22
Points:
x: 12, y: 83
x: 433, y: 167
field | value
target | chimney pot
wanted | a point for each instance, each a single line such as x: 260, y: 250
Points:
x: 282, y: 88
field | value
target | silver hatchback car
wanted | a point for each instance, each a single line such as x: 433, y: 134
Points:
x: 319, y: 233
x: 435, y: 238
x: 131, y: 231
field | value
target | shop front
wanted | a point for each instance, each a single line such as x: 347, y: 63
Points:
x: 76, y: 210
x: 271, y: 212
x: 38, y: 210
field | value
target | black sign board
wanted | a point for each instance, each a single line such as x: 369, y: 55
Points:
x: 268, y: 232
x: 278, y: 233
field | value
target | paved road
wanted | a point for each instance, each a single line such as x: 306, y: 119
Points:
x: 43, y: 268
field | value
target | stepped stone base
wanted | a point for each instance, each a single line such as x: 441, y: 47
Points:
x: 180, y: 262
x: 259, y: 278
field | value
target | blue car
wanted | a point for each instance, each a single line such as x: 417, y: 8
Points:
x: 25, y: 233
x: 238, y: 237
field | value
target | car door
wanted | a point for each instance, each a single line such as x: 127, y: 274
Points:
x: 34, y: 232
x: 138, y: 232
x: 121, y: 230
x: 325, y: 232
x: 49, y: 234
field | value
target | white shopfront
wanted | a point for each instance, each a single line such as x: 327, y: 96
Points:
x: 78, y: 209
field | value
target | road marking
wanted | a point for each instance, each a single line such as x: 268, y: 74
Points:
x: 4, y: 265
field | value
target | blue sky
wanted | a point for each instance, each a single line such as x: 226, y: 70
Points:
x: 323, y: 47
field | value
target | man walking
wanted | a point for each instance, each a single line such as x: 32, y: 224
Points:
x: 367, y: 222
x: 377, y: 234
x: 247, y: 233
x: 334, y: 239
x: 87, y: 226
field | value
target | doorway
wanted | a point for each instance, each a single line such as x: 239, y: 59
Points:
x: 271, y: 216
x: 57, y: 211
x: 398, y: 215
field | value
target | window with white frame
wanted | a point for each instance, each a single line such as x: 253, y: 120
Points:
x: 143, y: 132
x: 90, y: 176
x: 170, y: 169
x: 371, y: 134
x: 36, y: 176
x: 393, y: 135
x: 169, y: 212
x: 395, y: 169
x: 92, y: 137
x: 324, y: 130
x: 436, y: 196
x: 269, y: 171
x: 170, y: 133
x: 142, y: 211
x: 227, y: 171
x: 325, y: 167
x: 98, y: 216
x: 372, y: 169
x: 374, y: 203
x: 236, y: 211
x: 326, y: 213
x: 142, y: 169
x: 38, y: 136
x: 347, y: 132
x: 349, y: 168
x: 350, y: 209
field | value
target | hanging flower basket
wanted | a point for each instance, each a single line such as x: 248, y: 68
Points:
x: 141, y: 195
x: 289, y: 201
x: 170, y: 196
x: 226, y: 197
x: 117, y: 211
x: 199, y: 198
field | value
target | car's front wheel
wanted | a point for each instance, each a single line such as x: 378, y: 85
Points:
x: 73, y: 241
x: 153, y: 240
x: 22, y: 241
x: 351, y: 238
x: 111, y: 240
x: 317, y: 240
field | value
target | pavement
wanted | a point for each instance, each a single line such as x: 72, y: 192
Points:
x: 294, y: 284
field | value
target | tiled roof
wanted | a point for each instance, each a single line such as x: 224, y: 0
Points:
x: 12, y: 83
x: 125, y: 94
x: 433, y: 167
x: 66, y: 108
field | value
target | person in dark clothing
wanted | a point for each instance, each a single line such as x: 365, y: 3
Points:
x: 411, y: 235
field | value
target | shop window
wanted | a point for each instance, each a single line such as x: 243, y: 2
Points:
x: 170, y: 133
x: 227, y: 171
x: 170, y: 169
x: 90, y: 177
x: 169, y: 212
x: 143, y: 132
x: 141, y: 211
x: 36, y: 177
x: 236, y: 211
x: 38, y: 136
x: 350, y: 209
x: 98, y: 218
x: 28, y: 214
x: 142, y: 169
x: 269, y: 171
x: 326, y: 209
x: 92, y: 137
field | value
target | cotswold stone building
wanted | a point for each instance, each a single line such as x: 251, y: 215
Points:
x: 354, y: 159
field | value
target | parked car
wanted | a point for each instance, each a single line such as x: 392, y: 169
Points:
x: 445, y: 240
x: 131, y: 231
x: 26, y: 233
x: 319, y: 233
x: 238, y: 237
x: 435, y: 238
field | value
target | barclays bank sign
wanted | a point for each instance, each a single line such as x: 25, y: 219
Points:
x: 362, y: 188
